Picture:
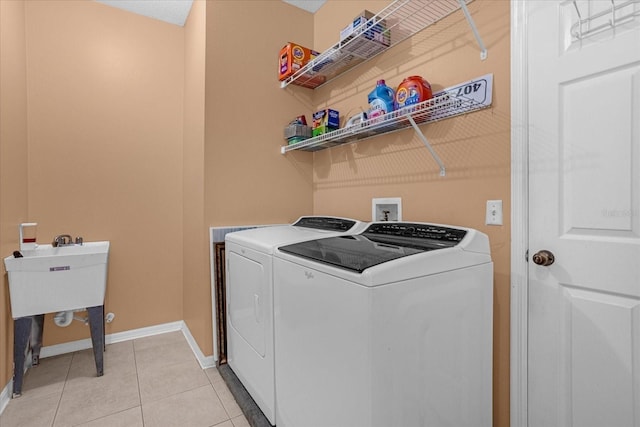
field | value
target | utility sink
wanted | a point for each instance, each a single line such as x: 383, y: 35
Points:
x: 50, y: 279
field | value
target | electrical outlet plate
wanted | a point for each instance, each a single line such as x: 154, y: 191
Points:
x: 494, y: 212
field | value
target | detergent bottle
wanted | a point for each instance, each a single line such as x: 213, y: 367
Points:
x: 380, y: 100
x: 412, y: 90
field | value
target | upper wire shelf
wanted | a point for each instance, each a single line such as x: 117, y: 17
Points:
x: 618, y: 13
x: 394, y: 24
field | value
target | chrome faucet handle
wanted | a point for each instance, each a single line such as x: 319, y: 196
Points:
x: 61, y: 240
x: 79, y: 240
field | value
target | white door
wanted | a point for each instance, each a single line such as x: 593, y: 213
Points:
x: 584, y: 207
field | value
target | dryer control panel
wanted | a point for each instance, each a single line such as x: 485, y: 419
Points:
x: 325, y: 223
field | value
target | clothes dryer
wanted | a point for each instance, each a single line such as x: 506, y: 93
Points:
x: 249, y: 284
x: 390, y: 327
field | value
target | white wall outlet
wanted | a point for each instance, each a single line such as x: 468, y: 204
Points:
x: 494, y: 212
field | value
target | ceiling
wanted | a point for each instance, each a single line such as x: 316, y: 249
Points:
x: 308, y: 5
x: 177, y: 11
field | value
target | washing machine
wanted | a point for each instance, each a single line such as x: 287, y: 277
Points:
x: 388, y: 327
x: 249, y: 287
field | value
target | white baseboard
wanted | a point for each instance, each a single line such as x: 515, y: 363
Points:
x: 205, y: 361
x: 70, y: 347
x: 145, y: 332
x: 5, y: 396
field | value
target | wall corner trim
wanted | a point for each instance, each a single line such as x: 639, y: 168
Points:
x: 519, y: 217
x: 205, y: 361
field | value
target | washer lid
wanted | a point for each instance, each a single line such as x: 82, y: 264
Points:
x: 379, y: 243
x: 266, y: 239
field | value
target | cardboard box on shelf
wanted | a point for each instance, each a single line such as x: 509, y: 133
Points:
x: 325, y: 121
x: 292, y: 58
x: 374, y: 40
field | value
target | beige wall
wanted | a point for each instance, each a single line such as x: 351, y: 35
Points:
x: 247, y: 180
x: 146, y: 134
x: 475, y: 148
x: 234, y: 116
x: 13, y: 158
x: 117, y: 149
x: 196, y: 284
x: 105, y: 108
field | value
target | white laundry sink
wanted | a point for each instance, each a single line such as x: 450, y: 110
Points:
x: 50, y: 279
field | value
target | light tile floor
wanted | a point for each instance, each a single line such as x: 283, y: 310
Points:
x: 152, y: 382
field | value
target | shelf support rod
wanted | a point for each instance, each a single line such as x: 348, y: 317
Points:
x: 472, y: 24
x: 426, y: 143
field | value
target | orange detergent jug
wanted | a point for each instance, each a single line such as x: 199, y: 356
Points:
x: 412, y: 90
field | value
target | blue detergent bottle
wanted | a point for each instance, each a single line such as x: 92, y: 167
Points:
x: 381, y: 100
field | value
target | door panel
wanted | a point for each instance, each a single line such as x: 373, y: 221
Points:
x: 605, y: 327
x: 584, y: 206
x: 586, y: 146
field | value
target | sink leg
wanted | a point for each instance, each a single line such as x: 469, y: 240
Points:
x: 37, y: 327
x: 21, y: 333
x: 96, y: 323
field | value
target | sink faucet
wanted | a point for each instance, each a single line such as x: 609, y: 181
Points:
x: 62, y: 240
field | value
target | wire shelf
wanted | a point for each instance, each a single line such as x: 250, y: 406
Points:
x: 394, y: 24
x: 618, y: 14
x: 461, y: 99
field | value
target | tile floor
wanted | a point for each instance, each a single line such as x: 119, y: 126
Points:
x: 152, y: 382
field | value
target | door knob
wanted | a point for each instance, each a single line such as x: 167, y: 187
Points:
x: 544, y: 258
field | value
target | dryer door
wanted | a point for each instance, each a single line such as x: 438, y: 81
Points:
x: 249, y: 296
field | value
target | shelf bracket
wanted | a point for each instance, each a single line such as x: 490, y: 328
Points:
x: 472, y: 24
x: 426, y: 143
